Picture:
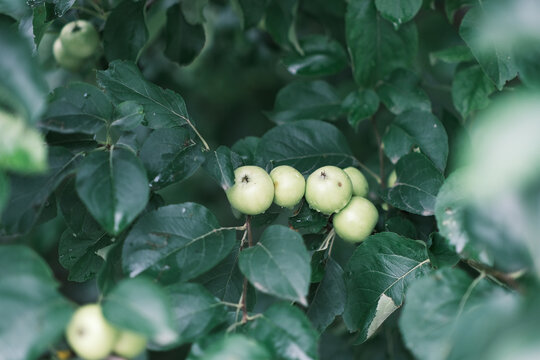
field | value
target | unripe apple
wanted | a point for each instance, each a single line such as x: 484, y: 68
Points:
x: 253, y: 190
x: 289, y: 186
x: 79, y: 38
x: 391, y: 179
x: 89, y: 334
x: 360, y: 186
x: 129, y: 344
x: 328, y: 189
x: 357, y: 220
x: 64, y: 59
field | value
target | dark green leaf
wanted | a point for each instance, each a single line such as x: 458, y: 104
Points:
x: 235, y: 346
x: 329, y: 299
x: 321, y: 56
x: 220, y: 164
x: 125, y: 32
x: 77, y: 254
x: 376, y: 48
x: 287, y: 331
x: 184, y: 41
x: 401, y: 91
x: 252, y: 11
x: 401, y: 226
x: 470, y: 90
x: 34, y: 314
x: 170, y: 156
x: 398, y: 11
x: 194, y: 11
x: 77, y: 108
x: 114, y: 187
x: 526, y: 55
x: 306, y: 100
x: 441, y: 252
x: 141, y: 306
x: 4, y: 190
x: 246, y: 148
x: 360, y: 105
x: 127, y: 116
x: 40, y: 23
x: 305, y: 145
x: 452, y: 55
x: 308, y: 221
x: 278, y: 264
x: 452, y: 6
x: 280, y: 23
x: 417, y: 130
x: 377, y: 276
x: 176, y: 243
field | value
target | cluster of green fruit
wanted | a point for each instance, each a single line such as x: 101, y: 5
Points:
x: 329, y: 190
x: 93, y: 338
x: 77, y: 42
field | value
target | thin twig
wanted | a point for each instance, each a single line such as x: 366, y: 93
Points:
x: 245, y: 285
x: 498, y: 275
x: 381, y: 154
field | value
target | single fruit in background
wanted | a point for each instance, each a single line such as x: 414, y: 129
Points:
x: 328, y: 189
x: 64, y: 59
x: 89, y: 334
x: 391, y: 179
x: 80, y: 38
x: 357, y: 220
x: 360, y: 186
x: 129, y: 344
x: 289, y: 186
x: 253, y: 190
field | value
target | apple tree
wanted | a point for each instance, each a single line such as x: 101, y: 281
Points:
x: 269, y: 179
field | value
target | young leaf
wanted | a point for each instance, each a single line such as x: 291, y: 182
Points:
x: 220, y: 164
x: 113, y: 186
x: 401, y: 91
x: 377, y: 276
x: 176, y: 243
x: 278, y: 264
x: 470, y: 90
x: 398, y: 11
x: 141, y: 306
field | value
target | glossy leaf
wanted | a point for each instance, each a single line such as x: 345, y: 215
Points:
x: 113, y: 186
x: 220, y: 164
x: 398, y: 11
x: 401, y: 91
x: 377, y: 276
x: 125, y: 21
x: 77, y: 254
x: 176, y: 243
x: 307, y: 220
x: 278, y: 264
x: 360, y: 105
x: 234, y: 346
x: 184, y: 40
x: 470, y: 90
x: 306, y: 146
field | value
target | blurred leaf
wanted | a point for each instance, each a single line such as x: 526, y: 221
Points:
x: 176, y: 243
x: 307, y: 220
x: 34, y: 315
x: 23, y: 88
x: 360, y: 105
x: 77, y: 254
x: 401, y: 226
x: 252, y: 11
x: 184, y: 41
x: 141, y: 306
x: 376, y: 48
x: 287, y: 331
x: 30, y: 194
x: 321, y: 56
x: 4, y: 190
x: 234, y: 346
x: 526, y: 56
x: 280, y: 23
x: 329, y: 299
x: 301, y: 100
x: 398, y: 11
x: 170, y: 156
x: 246, y: 148
x: 494, y: 57
x: 40, y: 23
x: 401, y: 91
x: 220, y: 164
x: 433, y: 306
x: 305, y: 145
x: 125, y: 32
x: 196, y: 311
x: 413, y: 130
x: 452, y: 6
x: 22, y: 148
x: 127, y: 116
x: 106, y: 184
x: 470, y: 90
x: 278, y: 264
x: 15, y: 9
x: 77, y: 108
x: 163, y: 108
x: 193, y: 11
x: 377, y: 276
x: 452, y: 55
x: 441, y: 252
x: 110, y: 273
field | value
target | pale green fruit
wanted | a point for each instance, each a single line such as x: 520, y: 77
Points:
x: 360, y: 186
x: 129, y: 344
x: 357, y: 220
x: 79, y: 38
x: 392, y: 179
x: 64, y: 59
x: 253, y: 190
x: 289, y: 186
x: 89, y: 334
x: 328, y: 189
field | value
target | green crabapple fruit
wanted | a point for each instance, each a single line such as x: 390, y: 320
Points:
x: 253, y: 190
x: 360, y: 186
x: 357, y: 220
x: 328, y: 189
x: 64, y: 59
x: 79, y: 38
x: 289, y: 186
x: 391, y: 179
x: 129, y: 344
x: 89, y: 334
